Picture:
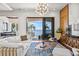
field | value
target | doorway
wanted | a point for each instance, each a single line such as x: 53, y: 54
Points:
x: 43, y: 27
x: 48, y: 27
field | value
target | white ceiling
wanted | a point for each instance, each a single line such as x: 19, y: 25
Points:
x: 4, y: 6
x: 29, y: 6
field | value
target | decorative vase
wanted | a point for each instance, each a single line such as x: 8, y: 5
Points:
x: 58, y: 35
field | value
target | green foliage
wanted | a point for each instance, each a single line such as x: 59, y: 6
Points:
x: 13, y: 25
x: 68, y: 29
x: 46, y: 27
x: 59, y: 30
x: 32, y: 26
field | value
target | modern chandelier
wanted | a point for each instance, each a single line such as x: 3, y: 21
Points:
x: 42, y: 9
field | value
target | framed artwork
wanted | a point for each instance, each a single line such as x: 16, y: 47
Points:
x: 76, y: 27
x: 14, y: 27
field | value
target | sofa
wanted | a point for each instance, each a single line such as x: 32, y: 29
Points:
x: 60, y: 48
x: 57, y: 52
x: 14, y: 46
x: 69, y: 42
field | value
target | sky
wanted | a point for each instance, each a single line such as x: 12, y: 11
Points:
x: 38, y: 25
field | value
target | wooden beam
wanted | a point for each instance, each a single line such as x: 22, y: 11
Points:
x: 13, y: 17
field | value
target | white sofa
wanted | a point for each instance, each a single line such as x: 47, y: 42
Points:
x: 60, y: 50
x: 75, y: 51
x: 13, y: 46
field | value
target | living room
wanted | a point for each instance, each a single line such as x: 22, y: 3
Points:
x: 16, y: 38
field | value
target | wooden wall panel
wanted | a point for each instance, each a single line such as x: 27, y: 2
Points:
x: 64, y: 18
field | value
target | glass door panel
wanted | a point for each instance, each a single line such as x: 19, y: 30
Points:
x: 38, y: 28
x: 48, y: 28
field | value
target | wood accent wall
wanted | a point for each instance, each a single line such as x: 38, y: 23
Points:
x: 64, y: 17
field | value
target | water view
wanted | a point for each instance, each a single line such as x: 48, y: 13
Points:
x: 39, y: 28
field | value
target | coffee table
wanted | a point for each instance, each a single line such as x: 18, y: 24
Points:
x: 43, y: 47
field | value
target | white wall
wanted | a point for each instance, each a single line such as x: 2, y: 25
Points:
x: 74, y: 16
x: 22, y: 18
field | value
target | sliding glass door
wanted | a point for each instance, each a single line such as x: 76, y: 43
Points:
x: 38, y: 28
x: 42, y: 28
x: 48, y: 28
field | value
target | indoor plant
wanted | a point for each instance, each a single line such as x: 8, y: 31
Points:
x: 58, y: 33
x: 59, y: 30
x: 13, y: 27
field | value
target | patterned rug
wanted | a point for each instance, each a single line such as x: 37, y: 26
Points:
x: 32, y: 51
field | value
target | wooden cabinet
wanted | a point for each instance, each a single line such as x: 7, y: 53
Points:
x: 64, y: 16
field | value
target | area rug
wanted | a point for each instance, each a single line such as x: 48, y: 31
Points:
x: 32, y: 51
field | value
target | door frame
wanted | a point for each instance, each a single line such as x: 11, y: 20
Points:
x: 53, y: 20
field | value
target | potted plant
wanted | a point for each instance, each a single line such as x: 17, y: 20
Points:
x: 58, y: 33
x: 59, y: 30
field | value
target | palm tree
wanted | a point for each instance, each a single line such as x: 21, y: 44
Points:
x: 46, y: 27
x: 32, y: 27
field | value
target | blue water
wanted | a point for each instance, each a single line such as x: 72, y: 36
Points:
x: 39, y: 32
